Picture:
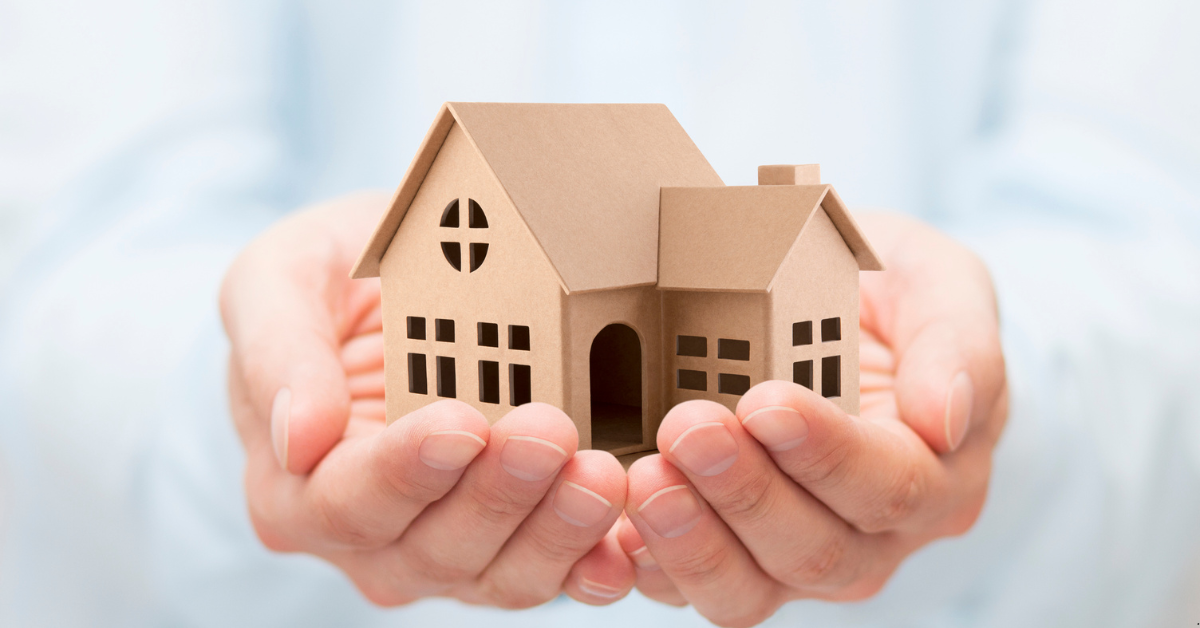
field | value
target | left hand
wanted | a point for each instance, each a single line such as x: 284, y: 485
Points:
x: 791, y: 497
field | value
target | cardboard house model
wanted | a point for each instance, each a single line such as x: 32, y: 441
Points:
x: 589, y: 257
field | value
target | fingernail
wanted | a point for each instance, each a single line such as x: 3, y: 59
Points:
x: 705, y: 449
x: 642, y: 558
x: 958, y: 409
x: 281, y: 411
x: 671, y: 512
x: 778, y: 428
x: 579, y: 506
x: 597, y: 589
x: 450, y: 449
x: 530, y: 458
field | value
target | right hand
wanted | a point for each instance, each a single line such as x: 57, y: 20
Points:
x: 437, y: 503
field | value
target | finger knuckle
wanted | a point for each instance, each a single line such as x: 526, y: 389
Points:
x: 827, y: 467
x: 898, y: 502
x: 496, y: 504
x: 429, y: 566
x: 702, y: 567
x: 412, y: 487
x: 337, y: 523
x: 555, y: 548
x: 749, y: 500
x: 818, y: 567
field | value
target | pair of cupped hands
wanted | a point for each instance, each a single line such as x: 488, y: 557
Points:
x: 786, y: 498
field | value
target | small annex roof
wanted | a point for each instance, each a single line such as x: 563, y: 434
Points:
x: 735, y: 238
x: 585, y: 177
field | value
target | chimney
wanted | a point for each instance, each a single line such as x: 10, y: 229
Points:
x: 806, y: 174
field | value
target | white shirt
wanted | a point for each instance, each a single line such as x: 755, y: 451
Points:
x: 142, y: 144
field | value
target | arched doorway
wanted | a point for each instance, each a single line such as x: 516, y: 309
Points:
x: 616, y: 384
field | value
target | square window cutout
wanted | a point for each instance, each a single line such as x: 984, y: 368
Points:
x: 489, y: 334
x: 831, y: 329
x: 693, y: 346
x: 416, y: 327
x: 802, y: 333
x: 443, y: 329
x: 518, y: 337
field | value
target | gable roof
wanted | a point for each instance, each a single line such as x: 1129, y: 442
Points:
x: 586, y: 179
x: 735, y: 238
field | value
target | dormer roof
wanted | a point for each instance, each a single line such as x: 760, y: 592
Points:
x: 736, y: 238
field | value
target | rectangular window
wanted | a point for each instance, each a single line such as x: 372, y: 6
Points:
x: 831, y: 329
x: 802, y: 373
x: 519, y: 384
x: 692, y: 380
x: 694, y: 346
x: 445, y: 377
x: 733, y: 349
x: 802, y: 333
x: 730, y: 384
x: 417, y: 382
x: 518, y: 337
x: 416, y: 327
x: 831, y: 376
x: 489, y: 381
x: 489, y: 334
x: 443, y: 330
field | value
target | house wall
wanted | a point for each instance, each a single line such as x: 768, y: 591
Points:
x: 712, y: 316
x: 515, y: 285
x: 586, y: 315
x: 817, y: 280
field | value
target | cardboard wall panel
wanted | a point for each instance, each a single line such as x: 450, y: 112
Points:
x: 712, y: 316
x: 817, y: 281
x: 514, y: 286
x: 587, y: 315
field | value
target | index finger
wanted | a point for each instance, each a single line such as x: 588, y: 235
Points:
x: 936, y: 310
x: 286, y: 303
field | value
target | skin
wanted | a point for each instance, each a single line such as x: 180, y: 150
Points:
x: 332, y: 480
x: 829, y: 517
x: 833, y: 515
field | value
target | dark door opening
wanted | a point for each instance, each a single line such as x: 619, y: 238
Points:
x: 616, y: 383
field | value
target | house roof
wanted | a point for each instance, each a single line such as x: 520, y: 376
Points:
x: 735, y: 238
x: 585, y: 178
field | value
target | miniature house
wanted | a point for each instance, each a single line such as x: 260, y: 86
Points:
x: 588, y: 256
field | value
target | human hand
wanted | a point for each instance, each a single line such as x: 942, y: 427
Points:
x: 791, y: 497
x: 437, y: 503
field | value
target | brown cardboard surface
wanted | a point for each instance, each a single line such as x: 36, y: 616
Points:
x: 585, y: 178
x: 730, y: 238
x: 713, y: 316
x: 639, y: 308
x: 863, y: 252
x: 368, y: 261
x: 515, y: 285
x: 817, y: 280
x: 591, y: 248
x: 806, y: 174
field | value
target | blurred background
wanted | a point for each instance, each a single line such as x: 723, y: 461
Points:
x: 143, y: 143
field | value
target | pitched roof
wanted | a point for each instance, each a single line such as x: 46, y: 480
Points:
x: 586, y: 179
x: 735, y: 238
